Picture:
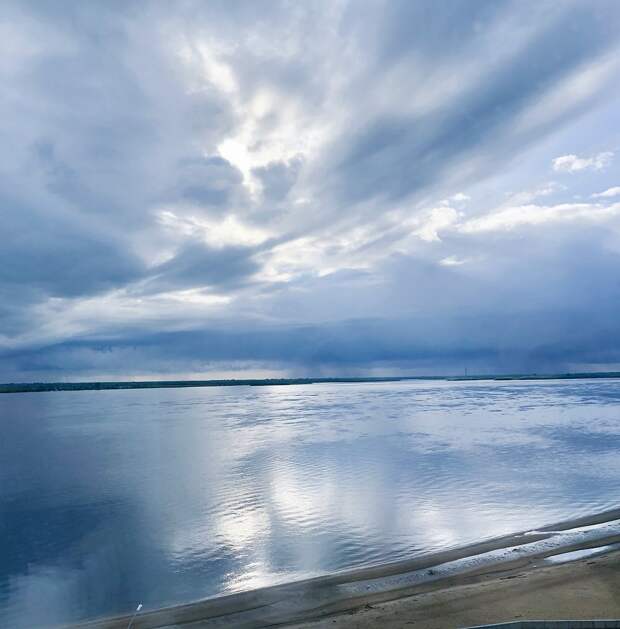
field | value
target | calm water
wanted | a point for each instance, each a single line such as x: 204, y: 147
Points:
x: 109, y: 498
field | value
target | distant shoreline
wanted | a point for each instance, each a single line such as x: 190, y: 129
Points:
x: 36, y: 387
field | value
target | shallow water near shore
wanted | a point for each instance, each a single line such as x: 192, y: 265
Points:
x: 162, y: 496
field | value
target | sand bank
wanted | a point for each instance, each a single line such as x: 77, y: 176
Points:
x: 500, y: 579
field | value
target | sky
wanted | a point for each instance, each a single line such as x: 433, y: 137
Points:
x: 240, y: 189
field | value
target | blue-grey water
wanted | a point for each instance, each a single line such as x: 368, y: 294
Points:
x: 160, y: 496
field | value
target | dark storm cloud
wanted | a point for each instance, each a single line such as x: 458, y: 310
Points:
x: 525, y: 342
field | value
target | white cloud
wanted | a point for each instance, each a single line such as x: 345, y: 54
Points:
x: 445, y: 219
x: 572, y: 163
x: 513, y: 217
x: 227, y: 232
x: 527, y: 196
x: 610, y: 192
x: 453, y: 261
x: 439, y: 218
x: 460, y: 196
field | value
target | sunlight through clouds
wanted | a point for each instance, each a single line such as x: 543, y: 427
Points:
x: 276, y: 169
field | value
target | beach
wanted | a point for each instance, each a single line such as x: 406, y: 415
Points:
x: 580, y: 590
x: 502, y: 579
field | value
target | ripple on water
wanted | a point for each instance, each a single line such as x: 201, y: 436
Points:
x: 165, y: 496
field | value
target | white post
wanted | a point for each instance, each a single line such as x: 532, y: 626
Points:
x: 134, y: 616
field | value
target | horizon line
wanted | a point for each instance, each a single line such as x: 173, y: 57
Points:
x: 44, y: 386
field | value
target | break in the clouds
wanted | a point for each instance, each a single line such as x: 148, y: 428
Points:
x: 216, y: 188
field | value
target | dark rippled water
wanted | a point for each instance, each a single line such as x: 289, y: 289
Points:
x: 110, y: 498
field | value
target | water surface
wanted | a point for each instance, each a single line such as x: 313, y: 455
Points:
x: 160, y: 496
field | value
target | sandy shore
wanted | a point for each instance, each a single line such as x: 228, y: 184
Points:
x: 496, y: 580
x: 580, y: 590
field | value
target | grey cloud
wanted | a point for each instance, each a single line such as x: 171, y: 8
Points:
x: 278, y: 178
x: 198, y: 265
x: 392, y: 156
x: 212, y: 182
x: 104, y: 125
x: 525, y: 342
x: 57, y: 256
x: 93, y: 134
x: 504, y: 317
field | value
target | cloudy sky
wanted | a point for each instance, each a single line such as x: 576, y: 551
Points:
x: 216, y: 188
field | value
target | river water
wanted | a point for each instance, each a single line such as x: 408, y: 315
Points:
x: 162, y: 496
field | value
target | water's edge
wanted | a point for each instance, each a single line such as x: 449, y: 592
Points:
x: 342, y: 591
x: 45, y: 387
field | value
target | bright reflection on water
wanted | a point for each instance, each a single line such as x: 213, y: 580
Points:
x: 108, y: 498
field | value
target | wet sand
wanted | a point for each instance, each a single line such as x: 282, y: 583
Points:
x: 496, y: 580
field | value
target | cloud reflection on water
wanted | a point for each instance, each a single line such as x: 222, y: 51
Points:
x: 183, y: 493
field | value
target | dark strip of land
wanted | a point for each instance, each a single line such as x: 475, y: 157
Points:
x: 34, y: 387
